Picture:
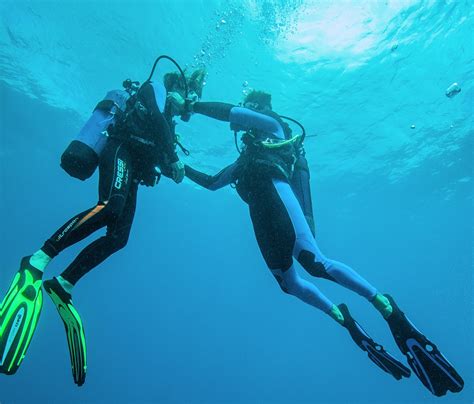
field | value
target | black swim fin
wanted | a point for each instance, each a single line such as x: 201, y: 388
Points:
x: 424, y: 357
x: 76, y: 339
x: 375, y: 352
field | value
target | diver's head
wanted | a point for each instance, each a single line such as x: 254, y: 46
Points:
x: 174, y: 82
x: 176, y: 90
x: 258, y: 100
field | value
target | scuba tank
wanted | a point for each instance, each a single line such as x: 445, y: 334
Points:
x: 300, y: 185
x: 81, y: 157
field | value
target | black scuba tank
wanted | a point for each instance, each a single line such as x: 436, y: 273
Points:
x: 301, y: 187
x: 81, y: 157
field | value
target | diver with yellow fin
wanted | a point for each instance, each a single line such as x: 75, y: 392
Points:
x: 131, y: 138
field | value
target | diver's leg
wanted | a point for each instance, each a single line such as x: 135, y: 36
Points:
x: 95, y: 253
x: 76, y: 229
x: 309, y: 255
x: 119, y: 191
x: 276, y: 237
x: 60, y: 289
x: 21, y: 308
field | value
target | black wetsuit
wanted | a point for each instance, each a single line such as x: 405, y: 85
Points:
x: 123, y: 164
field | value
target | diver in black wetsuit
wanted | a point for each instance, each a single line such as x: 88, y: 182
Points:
x: 139, y: 142
x: 127, y: 161
x: 264, y: 178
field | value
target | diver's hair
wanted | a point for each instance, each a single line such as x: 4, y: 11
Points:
x: 173, y: 81
x: 259, y: 97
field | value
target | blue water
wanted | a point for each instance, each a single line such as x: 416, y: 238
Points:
x: 188, y: 312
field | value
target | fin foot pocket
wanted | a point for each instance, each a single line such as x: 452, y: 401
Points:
x: 74, y: 328
x: 376, y: 352
x: 423, y: 356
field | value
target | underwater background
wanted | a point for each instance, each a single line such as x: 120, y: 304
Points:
x: 188, y: 312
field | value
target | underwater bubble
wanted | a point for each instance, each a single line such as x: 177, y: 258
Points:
x: 453, y: 90
x: 413, y: 126
x: 223, y: 21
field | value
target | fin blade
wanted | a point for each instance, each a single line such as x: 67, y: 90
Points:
x: 375, y: 352
x: 430, y: 366
x: 433, y: 369
x: 19, y: 315
x: 74, y: 329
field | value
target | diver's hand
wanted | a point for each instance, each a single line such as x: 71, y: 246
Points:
x: 189, y: 102
x: 177, y: 171
x: 176, y: 103
x: 151, y: 178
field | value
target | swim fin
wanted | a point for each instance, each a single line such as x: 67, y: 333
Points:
x: 428, y: 363
x: 375, y: 352
x: 19, y: 315
x: 76, y: 339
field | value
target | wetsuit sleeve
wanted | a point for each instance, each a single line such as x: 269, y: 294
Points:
x: 160, y: 125
x: 245, y: 119
x: 216, y: 110
x: 212, y: 182
x: 240, y: 118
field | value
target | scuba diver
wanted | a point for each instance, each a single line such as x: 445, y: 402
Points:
x: 130, y: 134
x: 272, y: 176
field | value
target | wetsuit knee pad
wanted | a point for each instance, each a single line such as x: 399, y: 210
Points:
x: 120, y: 241
x: 278, y: 273
x: 281, y: 282
x: 308, y: 261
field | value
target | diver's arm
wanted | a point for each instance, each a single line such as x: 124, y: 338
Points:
x: 217, y: 110
x: 240, y: 118
x: 244, y: 119
x: 212, y: 182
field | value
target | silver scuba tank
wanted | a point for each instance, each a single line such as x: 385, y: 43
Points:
x: 81, y: 157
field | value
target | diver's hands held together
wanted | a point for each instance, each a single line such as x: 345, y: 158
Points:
x: 179, y: 105
x: 151, y: 178
x: 176, y: 103
x: 177, y: 171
